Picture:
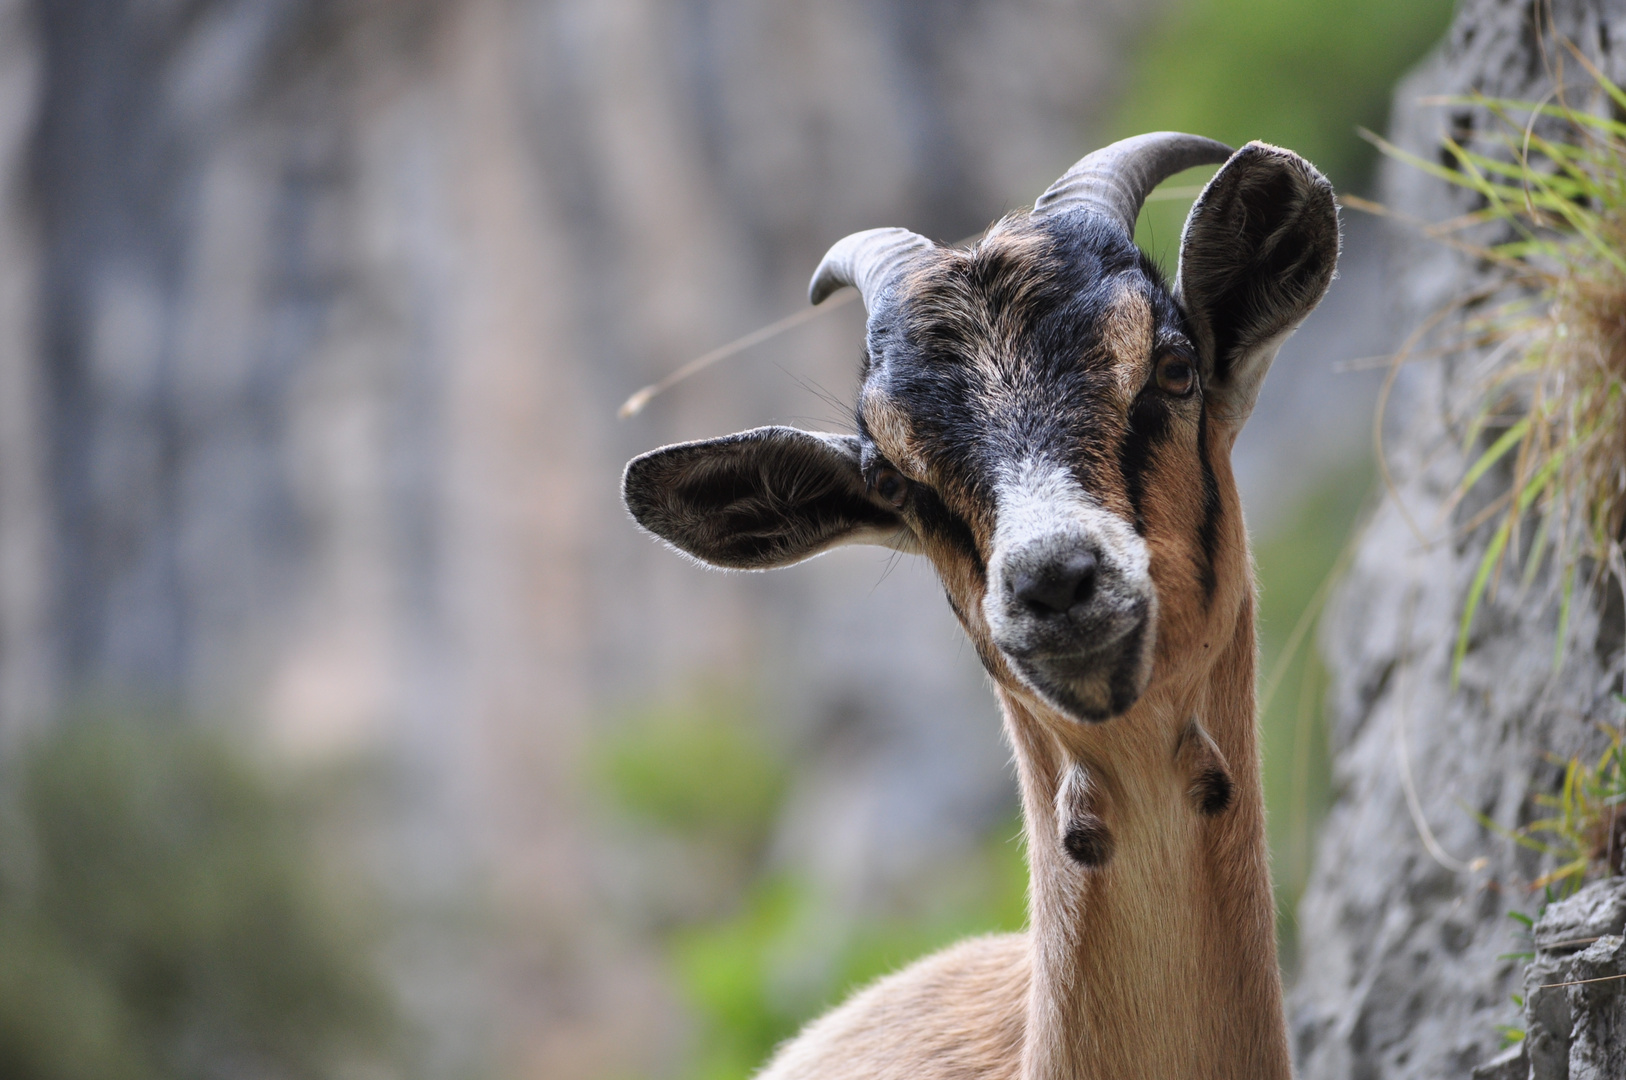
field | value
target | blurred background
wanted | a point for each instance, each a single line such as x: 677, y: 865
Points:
x: 348, y: 727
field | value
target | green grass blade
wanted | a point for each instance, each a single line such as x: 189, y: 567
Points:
x: 1538, y: 548
x: 1504, y: 107
x: 1510, y: 438
x: 1481, y: 580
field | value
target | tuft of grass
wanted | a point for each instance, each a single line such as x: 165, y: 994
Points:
x: 1585, y: 832
x: 1551, y: 409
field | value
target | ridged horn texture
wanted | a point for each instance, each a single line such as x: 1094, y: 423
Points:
x: 870, y: 260
x: 1115, y: 180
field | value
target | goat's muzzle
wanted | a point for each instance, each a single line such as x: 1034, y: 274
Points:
x: 1070, y: 602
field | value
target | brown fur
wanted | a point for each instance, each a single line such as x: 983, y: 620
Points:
x: 952, y: 1016
x: 978, y: 301
x: 893, y: 434
x: 1127, y: 336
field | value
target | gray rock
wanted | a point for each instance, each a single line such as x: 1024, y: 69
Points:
x: 1574, y: 993
x: 1548, y: 1019
x: 1598, y: 1004
x: 1510, y: 1064
x: 1570, y: 925
x: 1575, y: 989
x: 1404, y: 966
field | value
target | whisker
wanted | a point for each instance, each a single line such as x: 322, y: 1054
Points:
x: 635, y: 404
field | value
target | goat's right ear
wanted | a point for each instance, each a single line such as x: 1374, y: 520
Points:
x: 768, y: 497
x: 1256, y: 256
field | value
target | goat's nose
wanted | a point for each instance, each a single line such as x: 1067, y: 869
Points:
x: 1057, y: 586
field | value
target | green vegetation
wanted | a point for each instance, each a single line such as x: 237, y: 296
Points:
x: 1303, y: 74
x: 1298, y: 565
x: 701, y: 767
x: 161, y: 918
x: 1585, y: 832
x: 1584, y: 837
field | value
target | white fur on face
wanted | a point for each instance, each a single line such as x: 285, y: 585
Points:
x: 1082, y: 660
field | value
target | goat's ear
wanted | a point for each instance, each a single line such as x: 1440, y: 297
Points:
x: 1256, y: 256
x: 768, y: 497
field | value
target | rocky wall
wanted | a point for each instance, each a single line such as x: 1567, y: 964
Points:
x: 1405, y: 940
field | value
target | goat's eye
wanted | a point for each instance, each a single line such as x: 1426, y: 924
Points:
x: 890, y: 485
x: 1175, y: 375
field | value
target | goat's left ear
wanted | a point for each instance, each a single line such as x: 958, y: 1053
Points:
x: 768, y: 497
x: 1256, y: 256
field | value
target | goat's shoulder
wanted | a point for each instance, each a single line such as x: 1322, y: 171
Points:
x: 955, y: 1015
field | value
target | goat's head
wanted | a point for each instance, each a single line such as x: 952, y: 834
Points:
x: 1044, y: 418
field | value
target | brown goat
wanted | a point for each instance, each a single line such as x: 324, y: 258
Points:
x: 1051, y: 424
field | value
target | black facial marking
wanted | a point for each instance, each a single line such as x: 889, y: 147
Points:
x: 937, y: 522
x: 1148, y: 426
x: 1208, y: 532
x: 997, y: 356
x: 1088, y: 841
x: 1126, y: 678
x: 1211, y: 791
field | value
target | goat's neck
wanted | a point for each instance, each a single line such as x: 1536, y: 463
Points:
x: 1160, y: 961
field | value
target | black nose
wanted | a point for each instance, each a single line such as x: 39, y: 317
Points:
x: 1058, y: 586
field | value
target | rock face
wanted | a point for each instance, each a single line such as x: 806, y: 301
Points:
x: 1574, y: 993
x: 314, y: 318
x: 1403, y: 930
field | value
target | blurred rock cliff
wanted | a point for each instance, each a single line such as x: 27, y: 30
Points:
x: 314, y: 316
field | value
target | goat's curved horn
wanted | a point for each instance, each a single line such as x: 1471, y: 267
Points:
x: 1115, y: 180
x: 870, y: 260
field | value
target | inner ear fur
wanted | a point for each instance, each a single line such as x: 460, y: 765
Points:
x: 768, y: 497
x: 1256, y: 256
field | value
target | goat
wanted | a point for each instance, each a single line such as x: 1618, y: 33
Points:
x: 1050, y: 423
